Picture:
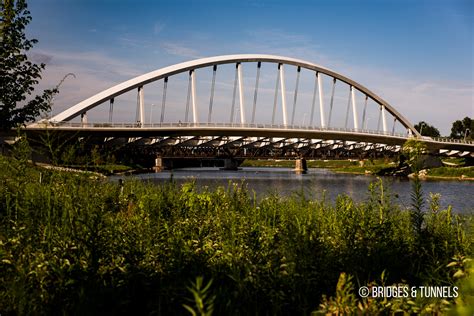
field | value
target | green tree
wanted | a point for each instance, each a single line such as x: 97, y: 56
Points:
x: 461, y: 129
x: 18, y: 75
x: 426, y: 129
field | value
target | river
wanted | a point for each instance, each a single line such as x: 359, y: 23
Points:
x: 285, y: 181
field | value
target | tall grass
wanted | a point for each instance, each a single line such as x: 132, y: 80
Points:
x: 72, y: 244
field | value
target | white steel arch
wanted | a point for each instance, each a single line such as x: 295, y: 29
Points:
x: 140, y: 81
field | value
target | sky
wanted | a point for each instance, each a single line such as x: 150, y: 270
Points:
x: 417, y: 55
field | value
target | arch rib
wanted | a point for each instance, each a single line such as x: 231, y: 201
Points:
x: 144, y: 79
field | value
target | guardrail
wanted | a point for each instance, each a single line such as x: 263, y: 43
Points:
x: 220, y: 125
x: 452, y: 140
x: 247, y: 125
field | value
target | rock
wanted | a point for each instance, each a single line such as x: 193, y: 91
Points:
x: 423, y: 173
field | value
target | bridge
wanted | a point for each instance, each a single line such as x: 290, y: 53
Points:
x: 243, y: 108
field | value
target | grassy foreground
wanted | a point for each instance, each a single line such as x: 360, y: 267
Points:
x: 70, y: 244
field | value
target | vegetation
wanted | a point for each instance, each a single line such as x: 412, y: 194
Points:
x: 67, y: 151
x: 70, y: 244
x: 452, y: 172
x: 269, y: 163
x: 19, y: 75
x: 462, y: 129
x: 350, y: 166
x: 426, y: 129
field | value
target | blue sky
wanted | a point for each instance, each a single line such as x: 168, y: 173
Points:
x: 417, y: 55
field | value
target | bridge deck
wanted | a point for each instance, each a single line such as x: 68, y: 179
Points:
x: 118, y: 130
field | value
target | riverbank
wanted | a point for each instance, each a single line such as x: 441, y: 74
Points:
x: 463, y: 173
x: 69, y: 169
x: 369, y: 167
x: 70, y: 244
x: 97, y: 170
x: 342, y: 166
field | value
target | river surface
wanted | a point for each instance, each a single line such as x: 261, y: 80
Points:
x: 284, y: 181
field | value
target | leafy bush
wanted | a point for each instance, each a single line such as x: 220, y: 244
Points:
x: 73, y: 244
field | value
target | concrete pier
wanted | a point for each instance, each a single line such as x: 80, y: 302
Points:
x: 158, y: 164
x: 230, y: 164
x: 300, y: 165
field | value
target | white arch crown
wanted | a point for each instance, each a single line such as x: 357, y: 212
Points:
x: 140, y: 81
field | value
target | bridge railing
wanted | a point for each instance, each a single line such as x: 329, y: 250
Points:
x: 222, y: 125
x: 249, y: 126
x: 452, y: 140
x: 190, y: 125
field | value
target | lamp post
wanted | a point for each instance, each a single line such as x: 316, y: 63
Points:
x: 421, y: 128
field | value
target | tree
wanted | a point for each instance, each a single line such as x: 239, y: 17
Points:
x: 464, y: 128
x: 18, y: 75
x: 413, y: 150
x: 426, y: 129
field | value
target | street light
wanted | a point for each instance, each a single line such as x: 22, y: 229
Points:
x: 421, y: 127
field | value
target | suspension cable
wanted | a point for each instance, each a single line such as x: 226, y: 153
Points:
x: 137, y: 112
x: 298, y: 70
x: 111, y: 109
x: 364, y: 112
x: 233, y: 95
x: 211, y: 100
x: 276, y: 95
x: 380, y: 115
x: 188, y: 98
x: 332, y: 100
x: 165, y: 88
x: 314, y: 99
x: 348, y: 106
x: 256, y: 91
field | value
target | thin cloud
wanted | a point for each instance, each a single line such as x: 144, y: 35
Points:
x: 93, y: 61
x: 180, y: 50
x: 39, y: 58
x: 158, y: 27
x: 134, y: 42
x: 94, y: 72
x: 416, y: 98
x: 439, y: 103
x: 280, y: 42
x: 277, y: 36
